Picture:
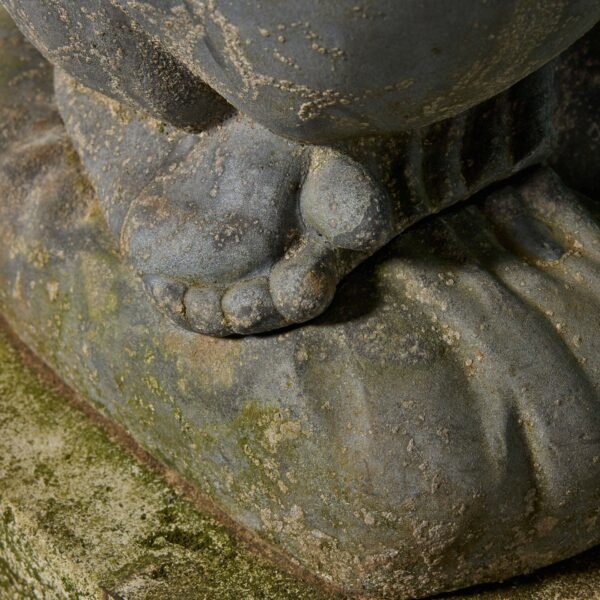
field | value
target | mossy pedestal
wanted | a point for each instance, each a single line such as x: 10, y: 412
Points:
x: 80, y: 517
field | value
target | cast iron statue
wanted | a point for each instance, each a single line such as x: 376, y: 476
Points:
x: 274, y: 146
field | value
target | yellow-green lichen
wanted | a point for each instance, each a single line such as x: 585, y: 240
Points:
x: 80, y: 515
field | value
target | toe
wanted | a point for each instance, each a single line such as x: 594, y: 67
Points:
x: 303, y: 284
x: 249, y: 308
x: 204, y: 313
x: 197, y: 309
x: 343, y: 203
x: 168, y: 295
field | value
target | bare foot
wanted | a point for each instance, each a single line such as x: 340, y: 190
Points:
x: 234, y: 230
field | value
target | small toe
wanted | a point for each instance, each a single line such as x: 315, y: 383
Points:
x: 204, y: 313
x: 303, y: 285
x: 168, y: 295
x: 343, y: 203
x: 249, y: 308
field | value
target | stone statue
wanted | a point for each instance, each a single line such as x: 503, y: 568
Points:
x: 290, y: 141
x: 438, y: 161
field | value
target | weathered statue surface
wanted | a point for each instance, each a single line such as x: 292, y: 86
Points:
x: 438, y: 426
x: 316, y: 132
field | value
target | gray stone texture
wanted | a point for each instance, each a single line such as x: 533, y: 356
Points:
x: 311, y: 70
x: 437, y: 427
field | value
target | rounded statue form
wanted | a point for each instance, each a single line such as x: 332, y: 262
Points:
x: 434, y: 422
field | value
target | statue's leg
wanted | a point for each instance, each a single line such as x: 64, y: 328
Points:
x: 312, y: 71
x: 238, y: 230
x: 98, y: 44
x: 320, y: 71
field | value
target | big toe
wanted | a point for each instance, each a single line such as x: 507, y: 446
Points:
x: 342, y: 202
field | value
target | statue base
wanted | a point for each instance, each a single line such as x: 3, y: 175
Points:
x: 81, y: 517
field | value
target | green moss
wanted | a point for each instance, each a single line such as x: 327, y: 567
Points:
x: 91, y: 517
x: 9, y: 66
